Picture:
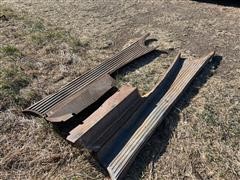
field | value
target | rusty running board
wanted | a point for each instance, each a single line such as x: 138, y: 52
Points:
x: 120, y: 150
x: 63, y: 104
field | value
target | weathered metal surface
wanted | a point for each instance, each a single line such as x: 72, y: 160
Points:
x: 68, y: 107
x: 119, y: 151
x: 107, y: 119
x: 116, y: 128
x: 134, y: 51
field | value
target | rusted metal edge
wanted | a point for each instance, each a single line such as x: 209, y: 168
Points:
x: 119, y: 152
x: 107, y: 119
x: 125, y: 56
x: 71, y: 106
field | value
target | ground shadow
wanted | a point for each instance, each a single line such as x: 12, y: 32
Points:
x: 158, y: 143
x: 138, y: 63
x: 232, y: 3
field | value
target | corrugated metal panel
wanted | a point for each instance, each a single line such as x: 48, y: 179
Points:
x: 127, y: 55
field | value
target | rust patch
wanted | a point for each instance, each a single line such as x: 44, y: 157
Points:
x: 109, y: 117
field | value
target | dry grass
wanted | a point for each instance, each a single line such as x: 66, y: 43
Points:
x: 32, y: 53
x: 44, y: 45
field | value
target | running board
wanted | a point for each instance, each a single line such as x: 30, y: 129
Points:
x: 62, y: 105
x: 117, y: 154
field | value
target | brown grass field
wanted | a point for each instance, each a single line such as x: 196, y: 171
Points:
x: 44, y: 44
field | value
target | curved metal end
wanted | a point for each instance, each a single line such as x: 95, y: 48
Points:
x: 145, y: 36
x: 207, y: 57
x: 114, y: 175
x: 178, y: 56
x: 143, y: 39
x: 32, y: 112
x: 210, y: 55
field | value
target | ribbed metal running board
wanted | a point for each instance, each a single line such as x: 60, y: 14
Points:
x: 54, y: 102
x: 121, y: 149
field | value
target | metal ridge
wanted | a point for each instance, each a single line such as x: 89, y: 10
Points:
x: 117, y: 157
x: 110, y: 65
